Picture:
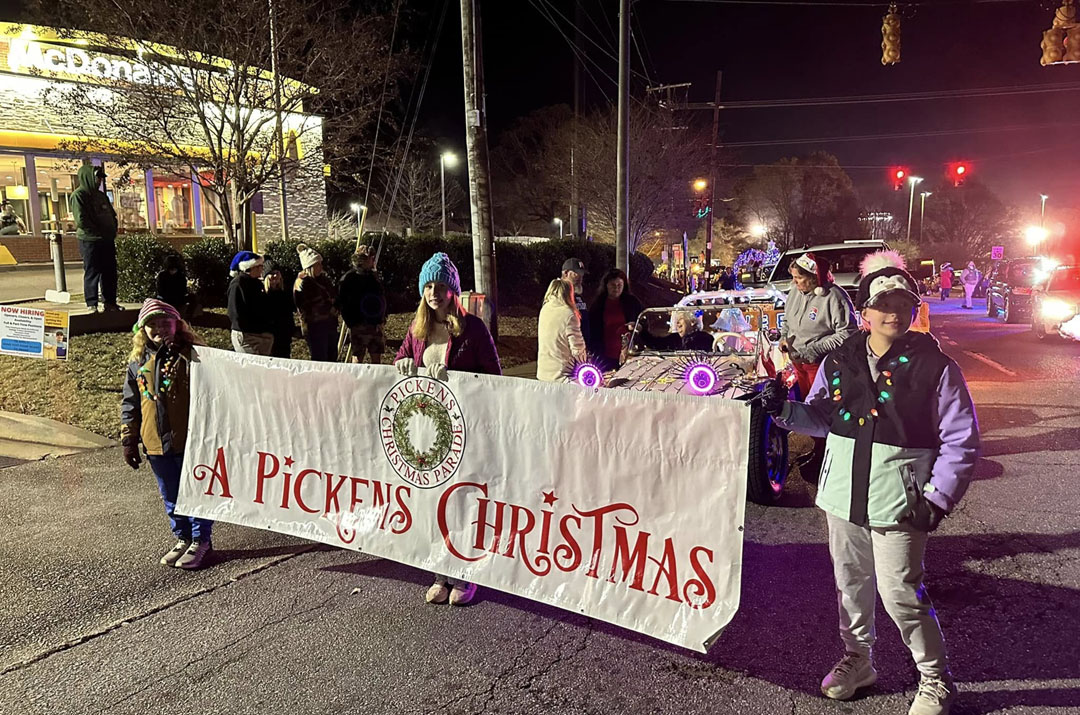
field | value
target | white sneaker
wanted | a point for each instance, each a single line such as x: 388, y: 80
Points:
x: 175, y: 553
x: 437, y: 593
x: 854, y: 671
x: 462, y: 593
x: 935, y: 696
x: 193, y: 557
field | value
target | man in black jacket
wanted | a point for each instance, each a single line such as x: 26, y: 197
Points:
x: 362, y: 302
x: 247, y: 306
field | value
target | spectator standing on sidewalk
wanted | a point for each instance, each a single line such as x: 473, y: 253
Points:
x: 95, y: 226
x: 903, y: 440
x: 611, y: 316
x: 362, y: 302
x: 155, y: 414
x: 315, y: 295
x: 279, y: 312
x: 442, y: 337
x: 558, y: 334
x: 574, y: 272
x: 969, y: 278
x: 946, y: 280
x: 247, y: 305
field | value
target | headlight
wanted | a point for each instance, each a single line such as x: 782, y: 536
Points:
x: 1057, y: 310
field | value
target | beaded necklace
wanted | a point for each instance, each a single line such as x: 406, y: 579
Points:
x: 169, y: 362
x: 882, y: 396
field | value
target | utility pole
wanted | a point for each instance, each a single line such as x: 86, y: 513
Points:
x: 712, y: 180
x: 622, y: 161
x: 476, y: 150
x: 578, y: 229
x: 279, y: 129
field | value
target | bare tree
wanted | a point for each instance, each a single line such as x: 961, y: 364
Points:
x: 532, y: 165
x: 801, y: 201
x: 207, y: 108
x: 420, y: 200
x: 971, y: 217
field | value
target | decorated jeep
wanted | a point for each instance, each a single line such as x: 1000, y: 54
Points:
x: 723, y: 351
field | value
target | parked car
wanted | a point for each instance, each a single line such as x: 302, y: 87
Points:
x: 734, y: 366
x: 1009, y: 291
x: 1057, y: 303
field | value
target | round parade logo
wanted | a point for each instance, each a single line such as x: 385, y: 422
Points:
x: 422, y: 431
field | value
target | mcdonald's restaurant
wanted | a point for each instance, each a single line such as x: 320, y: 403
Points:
x: 37, y: 176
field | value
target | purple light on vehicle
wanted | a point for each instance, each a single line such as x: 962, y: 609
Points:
x: 701, y: 378
x: 588, y: 376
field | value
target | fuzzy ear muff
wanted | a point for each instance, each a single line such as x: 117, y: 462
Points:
x: 819, y: 291
x: 881, y: 259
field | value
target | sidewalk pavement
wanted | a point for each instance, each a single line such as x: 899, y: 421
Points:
x: 527, y: 370
x: 25, y: 437
x: 29, y: 281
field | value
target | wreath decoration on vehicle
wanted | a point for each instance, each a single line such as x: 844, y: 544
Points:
x: 433, y: 410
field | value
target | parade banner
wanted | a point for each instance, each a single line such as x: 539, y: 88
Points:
x: 623, y: 505
x: 30, y: 332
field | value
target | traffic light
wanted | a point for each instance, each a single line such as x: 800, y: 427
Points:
x: 958, y: 172
x: 897, y: 175
x: 1072, y: 44
x: 890, y: 37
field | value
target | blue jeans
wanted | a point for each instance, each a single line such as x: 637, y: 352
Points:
x: 167, y: 470
x: 322, y: 340
x: 99, y: 270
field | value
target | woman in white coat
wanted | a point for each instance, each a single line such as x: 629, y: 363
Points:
x: 559, y: 340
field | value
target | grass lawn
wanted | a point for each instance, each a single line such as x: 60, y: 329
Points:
x: 85, y: 390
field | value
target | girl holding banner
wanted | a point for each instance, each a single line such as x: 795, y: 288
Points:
x: 443, y: 336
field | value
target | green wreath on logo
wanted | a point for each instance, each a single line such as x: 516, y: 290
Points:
x: 434, y: 411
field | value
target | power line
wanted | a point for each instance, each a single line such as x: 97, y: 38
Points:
x: 551, y: 8
x: 855, y: 5
x: 901, y: 135
x: 1010, y: 90
x: 582, y: 56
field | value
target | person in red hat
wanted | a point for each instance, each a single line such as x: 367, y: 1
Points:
x: 155, y: 414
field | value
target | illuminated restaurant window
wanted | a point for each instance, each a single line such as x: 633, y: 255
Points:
x: 209, y: 205
x: 58, y: 174
x: 173, y: 203
x: 14, y: 189
x: 126, y: 187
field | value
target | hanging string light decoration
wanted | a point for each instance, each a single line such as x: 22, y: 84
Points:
x: 890, y: 37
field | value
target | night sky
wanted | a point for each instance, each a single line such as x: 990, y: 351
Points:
x: 770, y: 52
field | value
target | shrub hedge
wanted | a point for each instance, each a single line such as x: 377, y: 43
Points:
x: 523, y: 271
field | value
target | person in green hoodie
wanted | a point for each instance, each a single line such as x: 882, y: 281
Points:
x: 95, y: 222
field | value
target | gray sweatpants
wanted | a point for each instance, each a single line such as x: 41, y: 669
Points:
x: 894, y: 559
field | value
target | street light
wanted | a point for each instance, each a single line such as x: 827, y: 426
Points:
x: 1035, y: 235
x: 361, y: 214
x: 922, y: 212
x: 913, y: 180
x: 447, y: 158
x: 559, y: 221
x: 700, y: 184
x: 1042, y: 210
x: 758, y: 230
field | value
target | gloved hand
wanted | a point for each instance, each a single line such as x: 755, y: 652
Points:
x: 773, y: 397
x: 406, y: 366
x: 131, y: 455
x: 926, y: 516
x: 437, y: 372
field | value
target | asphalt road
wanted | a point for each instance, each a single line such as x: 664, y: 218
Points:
x: 91, y: 624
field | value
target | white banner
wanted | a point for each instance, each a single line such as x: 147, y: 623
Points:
x: 624, y: 506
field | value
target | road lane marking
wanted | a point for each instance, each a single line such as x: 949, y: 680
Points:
x: 992, y: 363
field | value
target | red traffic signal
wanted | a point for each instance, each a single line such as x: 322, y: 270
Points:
x: 958, y: 171
x: 897, y: 174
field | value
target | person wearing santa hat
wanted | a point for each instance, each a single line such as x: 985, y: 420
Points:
x: 902, y: 441
x: 818, y: 318
x: 154, y: 413
x: 248, y: 313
